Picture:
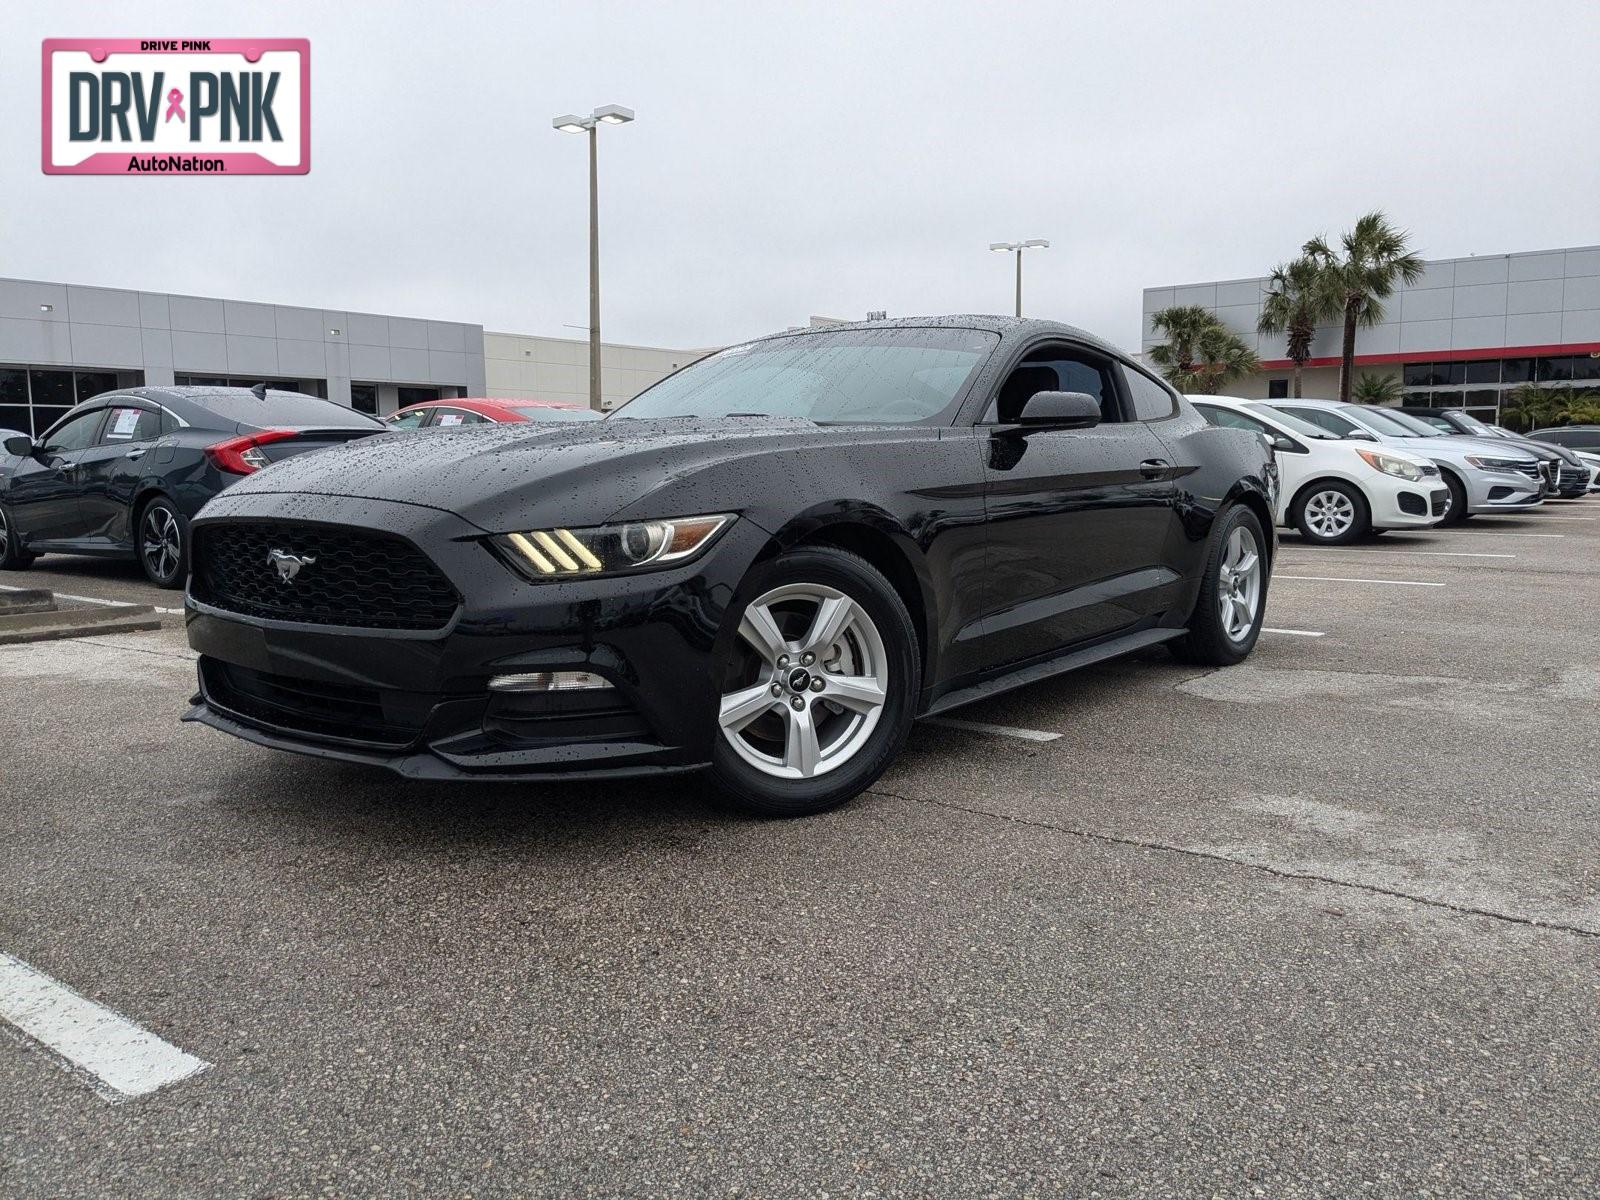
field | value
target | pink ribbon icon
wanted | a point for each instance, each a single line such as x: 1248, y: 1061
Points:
x: 175, y: 106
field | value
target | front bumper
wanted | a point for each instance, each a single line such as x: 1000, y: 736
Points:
x: 1498, y: 491
x: 1405, y: 504
x: 418, y: 703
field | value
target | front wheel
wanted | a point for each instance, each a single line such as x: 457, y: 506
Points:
x: 12, y: 556
x: 1233, y: 594
x: 818, y: 684
x: 1331, y: 514
x: 162, y: 543
x: 1456, y: 511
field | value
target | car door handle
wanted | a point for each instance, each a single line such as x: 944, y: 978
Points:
x: 135, y: 453
x: 1154, y: 468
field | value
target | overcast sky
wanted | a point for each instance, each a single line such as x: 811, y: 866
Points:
x: 793, y: 158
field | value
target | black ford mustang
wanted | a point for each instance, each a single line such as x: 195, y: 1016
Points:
x: 767, y: 565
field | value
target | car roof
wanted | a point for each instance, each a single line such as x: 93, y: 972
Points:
x: 1006, y: 327
x: 489, y: 402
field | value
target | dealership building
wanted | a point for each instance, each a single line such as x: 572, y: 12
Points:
x: 1465, y: 333
x: 62, y: 343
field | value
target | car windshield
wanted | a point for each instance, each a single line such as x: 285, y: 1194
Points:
x: 542, y: 412
x: 1389, y: 422
x: 895, y: 376
x: 1416, y: 424
x: 1293, y: 423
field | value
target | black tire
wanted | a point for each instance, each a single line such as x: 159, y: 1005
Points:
x: 759, y: 792
x: 1309, y: 521
x: 1208, y: 642
x: 12, y: 556
x: 159, y: 517
x: 1457, y: 512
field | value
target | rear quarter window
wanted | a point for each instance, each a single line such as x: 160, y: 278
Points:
x: 1151, y: 400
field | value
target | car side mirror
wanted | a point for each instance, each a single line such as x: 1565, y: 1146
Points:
x: 1360, y: 435
x: 20, y: 446
x: 1062, y: 410
x: 1287, y: 444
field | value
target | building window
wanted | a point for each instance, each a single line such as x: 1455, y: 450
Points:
x: 1277, y: 389
x: 416, y: 395
x: 364, y: 398
x: 34, y: 398
x: 1487, y: 371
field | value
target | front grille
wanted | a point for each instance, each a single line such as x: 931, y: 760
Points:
x: 1414, y: 504
x: 331, y: 710
x: 1441, y: 501
x: 358, y: 578
x: 1429, y: 471
x: 1572, y: 476
x: 1552, y: 472
x: 1531, y: 470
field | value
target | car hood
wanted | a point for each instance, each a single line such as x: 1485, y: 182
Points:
x: 526, y: 475
x: 1456, y: 448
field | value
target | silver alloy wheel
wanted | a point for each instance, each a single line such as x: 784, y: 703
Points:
x: 1239, y: 584
x: 1330, y: 514
x: 162, y: 541
x: 5, y: 535
x: 814, y: 682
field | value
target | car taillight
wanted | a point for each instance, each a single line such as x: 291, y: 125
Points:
x: 242, y: 455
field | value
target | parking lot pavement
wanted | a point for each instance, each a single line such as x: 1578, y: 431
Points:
x: 1321, y: 924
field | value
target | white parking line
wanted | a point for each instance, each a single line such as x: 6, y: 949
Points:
x: 1483, y: 531
x: 178, y: 612
x: 1294, y: 632
x: 1435, y: 553
x: 122, y: 1060
x: 1027, y: 735
x: 1348, y: 579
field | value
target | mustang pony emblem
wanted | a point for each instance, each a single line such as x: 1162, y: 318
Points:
x: 288, y: 564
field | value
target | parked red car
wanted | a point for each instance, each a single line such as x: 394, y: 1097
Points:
x: 435, y: 414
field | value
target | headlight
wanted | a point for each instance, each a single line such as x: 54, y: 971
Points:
x: 608, y: 549
x: 1485, y: 462
x: 1390, y: 465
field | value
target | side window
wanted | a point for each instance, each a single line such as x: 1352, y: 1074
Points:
x: 459, y: 416
x: 1323, y: 419
x: 410, y: 420
x: 76, y: 434
x: 1055, y: 369
x: 131, y: 425
x: 1151, y: 401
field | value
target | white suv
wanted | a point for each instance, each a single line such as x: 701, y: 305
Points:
x: 1334, y: 490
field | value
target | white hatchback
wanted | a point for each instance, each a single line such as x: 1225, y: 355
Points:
x: 1332, y: 489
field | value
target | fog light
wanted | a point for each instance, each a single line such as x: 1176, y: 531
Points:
x: 549, y: 681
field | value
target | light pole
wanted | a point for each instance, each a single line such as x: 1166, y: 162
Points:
x: 610, y: 114
x: 1018, y: 248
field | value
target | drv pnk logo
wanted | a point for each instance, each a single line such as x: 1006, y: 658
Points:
x: 160, y: 106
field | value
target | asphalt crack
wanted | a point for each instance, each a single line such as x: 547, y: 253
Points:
x: 1277, y: 872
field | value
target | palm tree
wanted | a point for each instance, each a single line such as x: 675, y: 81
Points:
x: 1201, y: 354
x: 1299, y: 298
x: 1377, y: 389
x: 1529, y: 406
x: 1375, y: 258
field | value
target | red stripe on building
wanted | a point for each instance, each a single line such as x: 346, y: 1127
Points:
x: 1425, y: 356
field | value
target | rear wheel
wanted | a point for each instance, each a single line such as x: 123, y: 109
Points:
x: 162, y: 543
x: 818, y: 685
x: 1233, y: 595
x: 12, y: 556
x: 1331, y: 513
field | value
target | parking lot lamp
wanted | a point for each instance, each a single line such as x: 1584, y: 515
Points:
x: 610, y: 114
x: 1018, y: 248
